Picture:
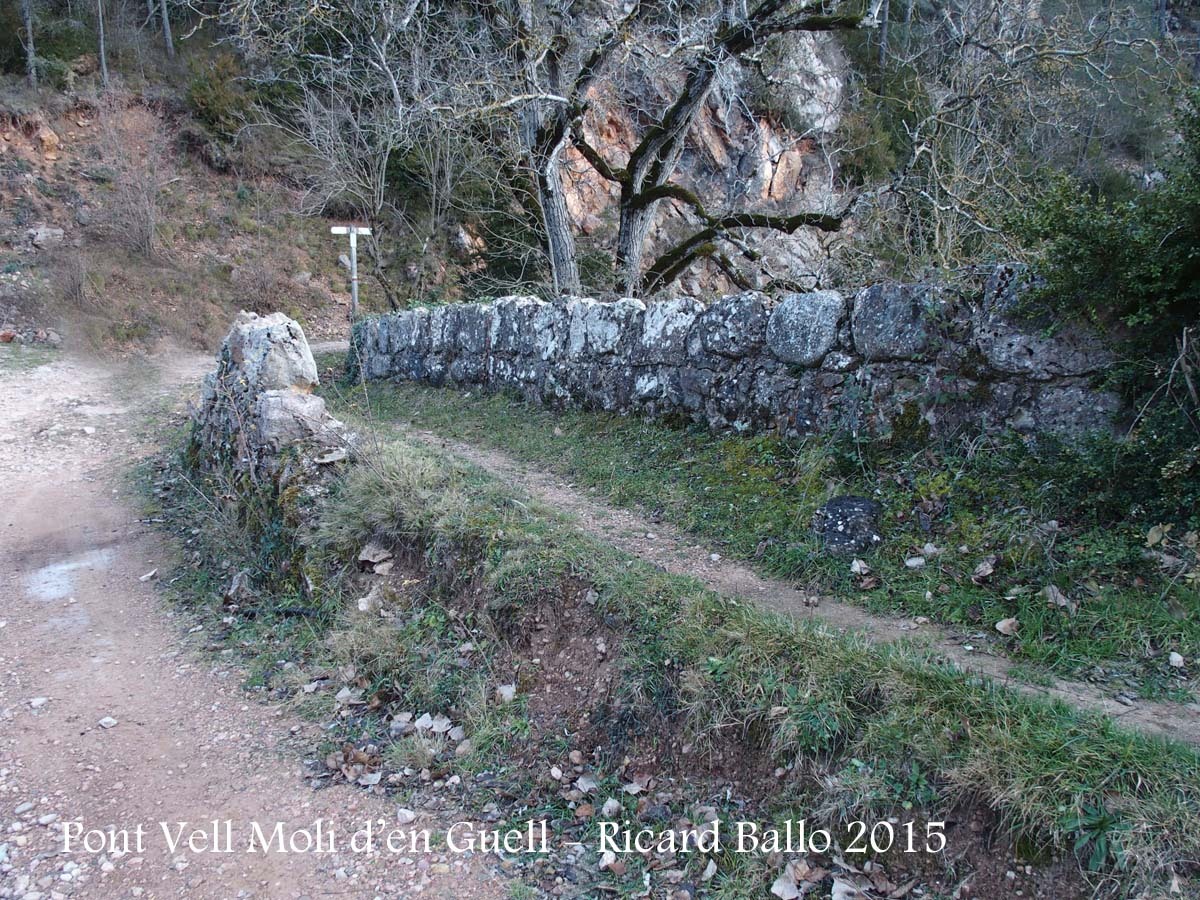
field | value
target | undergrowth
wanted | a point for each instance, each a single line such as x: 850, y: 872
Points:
x: 1040, y: 520
x: 849, y: 728
x: 713, y: 667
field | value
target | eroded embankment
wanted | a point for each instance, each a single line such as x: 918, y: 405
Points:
x: 646, y: 675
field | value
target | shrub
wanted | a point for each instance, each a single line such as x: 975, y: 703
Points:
x: 216, y: 96
x: 1133, y: 263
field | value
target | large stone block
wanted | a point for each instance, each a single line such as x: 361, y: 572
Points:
x: 270, y: 353
x: 734, y: 326
x: 804, y: 327
x: 613, y: 327
x: 893, y: 321
x: 1013, y: 350
x: 665, y: 330
x: 474, y: 327
x: 513, y: 331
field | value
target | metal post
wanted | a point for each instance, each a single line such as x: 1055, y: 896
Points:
x: 353, y: 273
x: 354, y: 231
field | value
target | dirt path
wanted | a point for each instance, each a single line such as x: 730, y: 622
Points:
x: 86, y: 643
x: 676, y: 552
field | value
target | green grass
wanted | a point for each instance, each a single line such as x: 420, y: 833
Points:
x: 892, y: 727
x: 860, y: 729
x: 753, y: 498
x: 22, y: 358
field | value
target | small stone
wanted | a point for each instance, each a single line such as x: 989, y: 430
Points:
x: 108, y: 722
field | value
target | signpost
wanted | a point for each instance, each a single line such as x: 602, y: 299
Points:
x: 354, y: 231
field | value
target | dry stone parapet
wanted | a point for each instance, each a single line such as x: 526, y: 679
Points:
x: 911, y: 355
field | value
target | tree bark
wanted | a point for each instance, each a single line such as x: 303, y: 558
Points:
x: 560, y: 235
x: 30, y: 53
x: 884, y: 16
x: 166, y: 25
x: 102, y: 52
x: 631, y: 242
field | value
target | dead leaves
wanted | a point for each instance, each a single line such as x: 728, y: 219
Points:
x: 1009, y: 626
x: 1056, y: 598
x: 985, y: 570
x: 359, y: 765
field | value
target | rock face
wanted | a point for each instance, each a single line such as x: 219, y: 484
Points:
x: 259, y: 401
x: 914, y: 354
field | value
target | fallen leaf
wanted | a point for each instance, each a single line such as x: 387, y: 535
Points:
x: 373, y: 553
x: 1008, y: 626
x: 1156, y: 534
x: 1057, y: 598
x: 348, y: 696
x: 586, y: 783
x: 844, y: 890
x: 335, y: 455
x: 785, y: 888
x: 859, y: 567
x: 984, y: 570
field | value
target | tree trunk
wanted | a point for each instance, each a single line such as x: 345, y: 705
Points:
x: 30, y: 53
x: 884, y: 16
x: 166, y: 26
x: 103, y: 53
x: 631, y: 243
x: 560, y: 238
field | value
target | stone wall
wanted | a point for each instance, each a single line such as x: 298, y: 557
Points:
x: 798, y: 363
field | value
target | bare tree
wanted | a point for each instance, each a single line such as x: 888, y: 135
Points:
x: 645, y: 180
x: 166, y: 26
x: 30, y: 52
x: 102, y: 51
x: 1003, y: 92
x: 141, y: 174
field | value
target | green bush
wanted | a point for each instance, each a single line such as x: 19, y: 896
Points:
x: 217, y: 98
x: 1133, y: 263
